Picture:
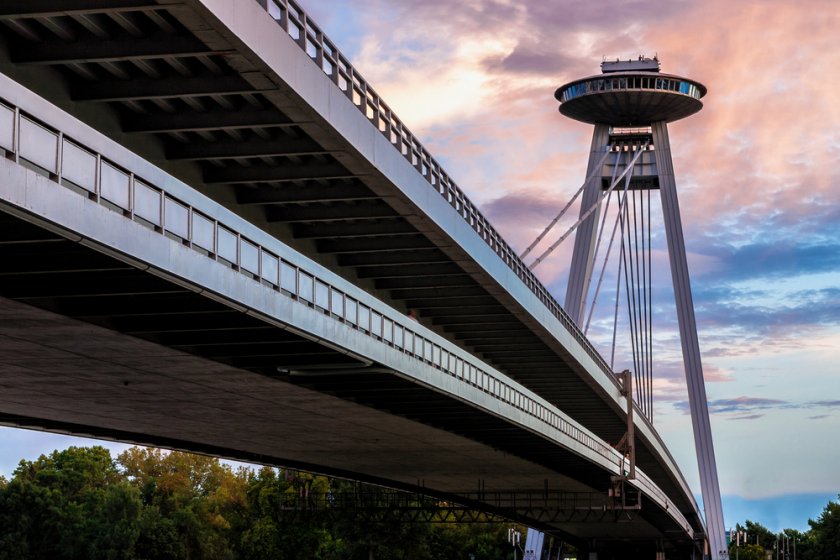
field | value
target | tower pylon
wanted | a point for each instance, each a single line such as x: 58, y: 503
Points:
x: 630, y: 104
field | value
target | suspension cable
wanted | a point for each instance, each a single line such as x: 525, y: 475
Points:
x: 638, y: 273
x: 650, y: 310
x: 595, y: 260
x: 622, y: 198
x: 635, y: 269
x: 640, y: 312
x: 632, y: 243
x: 638, y: 304
x: 617, y: 290
x: 589, y: 211
x: 627, y: 256
x: 598, y: 242
x: 557, y: 218
x: 635, y: 264
x: 645, y: 301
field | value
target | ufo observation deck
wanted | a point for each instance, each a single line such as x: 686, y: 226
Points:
x: 632, y: 98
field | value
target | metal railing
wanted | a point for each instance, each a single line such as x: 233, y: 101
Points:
x: 144, y: 194
x: 514, y: 503
x: 329, y: 59
x: 541, y: 507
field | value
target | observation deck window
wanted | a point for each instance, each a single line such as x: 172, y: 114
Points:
x: 630, y: 82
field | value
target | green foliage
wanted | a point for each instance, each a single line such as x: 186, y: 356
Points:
x: 800, y: 543
x: 749, y: 552
x: 159, y: 537
x: 70, y: 504
x: 192, y: 502
x: 788, y: 541
x: 488, y: 542
x: 269, y: 531
x: 149, y: 504
x: 758, y: 534
x: 825, y: 532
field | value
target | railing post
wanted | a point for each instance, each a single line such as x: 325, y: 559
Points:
x: 16, y: 136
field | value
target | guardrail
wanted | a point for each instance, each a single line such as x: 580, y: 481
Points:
x: 144, y: 194
x: 360, y: 498
x: 329, y: 59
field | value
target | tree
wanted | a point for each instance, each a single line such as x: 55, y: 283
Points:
x: 826, y: 533
x: 750, y: 552
x: 192, y: 503
x: 158, y: 505
x: 272, y: 530
x: 799, y: 544
x: 485, y: 541
x: 758, y: 534
x: 70, y: 504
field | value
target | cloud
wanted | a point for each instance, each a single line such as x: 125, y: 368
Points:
x: 827, y: 404
x: 777, y: 259
x: 743, y: 404
x: 739, y: 407
x: 747, y: 417
x: 530, y: 57
x: 749, y: 408
x: 823, y: 308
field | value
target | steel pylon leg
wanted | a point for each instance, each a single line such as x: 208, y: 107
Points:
x: 580, y: 272
x: 690, y: 345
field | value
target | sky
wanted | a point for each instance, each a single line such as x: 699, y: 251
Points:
x: 758, y: 180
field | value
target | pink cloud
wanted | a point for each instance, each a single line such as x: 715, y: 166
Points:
x: 749, y: 154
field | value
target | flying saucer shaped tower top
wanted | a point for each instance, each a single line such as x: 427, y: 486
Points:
x: 630, y: 93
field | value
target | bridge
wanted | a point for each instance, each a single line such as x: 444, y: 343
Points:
x: 216, y: 236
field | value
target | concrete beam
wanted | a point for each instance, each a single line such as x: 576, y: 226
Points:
x: 422, y: 256
x: 112, y: 50
x: 264, y: 173
x: 300, y: 194
x: 15, y: 9
x: 194, y: 121
x: 373, y: 244
x: 380, y: 228
x: 172, y: 88
x: 437, y: 270
x: 252, y: 148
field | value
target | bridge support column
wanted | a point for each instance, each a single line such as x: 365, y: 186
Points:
x: 580, y: 272
x: 690, y: 345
